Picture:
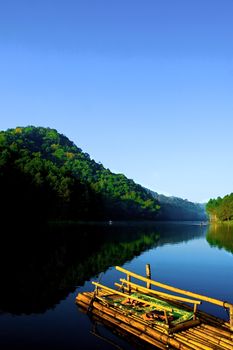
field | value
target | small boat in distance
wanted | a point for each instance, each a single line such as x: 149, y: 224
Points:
x: 203, y: 223
x: 158, y: 318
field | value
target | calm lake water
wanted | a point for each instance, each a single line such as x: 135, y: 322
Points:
x: 42, y: 272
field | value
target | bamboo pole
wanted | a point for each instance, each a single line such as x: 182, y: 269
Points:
x: 143, y: 329
x: 126, y: 329
x: 174, y: 289
x: 194, y: 311
x: 203, y: 342
x: 187, y: 342
x: 211, y: 338
x: 143, y: 289
x: 148, y: 275
x: 218, y: 336
x: 214, y: 337
x: 181, y: 291
x: 209, y: 322
x: 222, y: 332
x: 86, y: 300
x: 140, y: 328
x: 231, y: 317
x: 213, y: 320
x: 191, y: 338
x: 129, y: 279
x: 166, y: 318
x: 204, y: 336
x: 161, y: 307
x: 193, y: 341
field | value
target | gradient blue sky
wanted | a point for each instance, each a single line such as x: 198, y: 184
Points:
x: 144, y: 86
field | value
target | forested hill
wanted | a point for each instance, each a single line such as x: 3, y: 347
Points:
x: 175, y: 208
x: 221, y: 209
x: 45, y: 176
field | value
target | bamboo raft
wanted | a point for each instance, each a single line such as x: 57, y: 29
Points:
x: 159, y: 318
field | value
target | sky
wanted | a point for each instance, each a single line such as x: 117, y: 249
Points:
x: 144, y: 86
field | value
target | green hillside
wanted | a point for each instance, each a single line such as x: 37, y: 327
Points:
x: 221, y: 209
x: 44, y: 176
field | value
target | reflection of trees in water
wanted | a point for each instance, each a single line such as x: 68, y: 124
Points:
x: 221, y: 236
x: 43, y: 267
x: 179, y: 232
x: 114, y: 249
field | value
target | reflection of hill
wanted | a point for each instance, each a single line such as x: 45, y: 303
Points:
x: 179, y: 232
x: 40, y: 270
x: 221, y: 236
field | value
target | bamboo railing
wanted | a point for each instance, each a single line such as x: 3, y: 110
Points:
x: 165, y: 295
x: 148, y: 281
x: 161, y: 307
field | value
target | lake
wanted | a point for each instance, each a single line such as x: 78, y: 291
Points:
x: 43, y: 270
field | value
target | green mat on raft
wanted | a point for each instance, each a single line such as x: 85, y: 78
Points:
x: 179, y: 315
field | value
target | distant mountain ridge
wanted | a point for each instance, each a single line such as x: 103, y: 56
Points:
x: 45, y: 176
x: 175, y: 208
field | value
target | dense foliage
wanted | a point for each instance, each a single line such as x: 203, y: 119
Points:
x: 174, y: 208
x: 221, y: 208
x: 43, y: 175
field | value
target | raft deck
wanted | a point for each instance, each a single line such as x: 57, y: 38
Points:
x: 158, y: 318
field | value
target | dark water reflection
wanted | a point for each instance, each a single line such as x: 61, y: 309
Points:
x: 43, y: 267
x: 42, y: 270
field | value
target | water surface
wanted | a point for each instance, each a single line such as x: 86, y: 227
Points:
x: 42, y: 272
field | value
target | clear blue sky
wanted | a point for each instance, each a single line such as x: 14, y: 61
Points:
x: 144, y: 86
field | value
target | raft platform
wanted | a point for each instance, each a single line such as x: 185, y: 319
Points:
x: 158, y: 318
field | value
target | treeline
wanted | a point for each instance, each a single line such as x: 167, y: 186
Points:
x: 45, y: 176
x: 220, y: 209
